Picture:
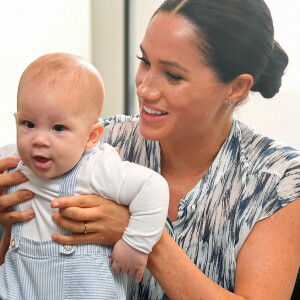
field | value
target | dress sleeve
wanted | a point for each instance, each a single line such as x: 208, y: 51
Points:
x: 285, y: 191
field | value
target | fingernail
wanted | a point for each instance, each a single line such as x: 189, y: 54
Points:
x: 28, y: 194
x: 55, y: 204
x: 54, y: 237
x: 53, y: 216
x: 30, y: 212
x: 17, y: 159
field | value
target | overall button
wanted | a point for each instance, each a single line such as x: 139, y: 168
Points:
x: 68, y: 247
x: 13, y: 243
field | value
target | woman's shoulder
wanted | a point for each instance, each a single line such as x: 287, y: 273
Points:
x: 121, y: 120
x: 123, y: 132
x: 266, y: 154
x: 120, y: 127
x: 271, y: 170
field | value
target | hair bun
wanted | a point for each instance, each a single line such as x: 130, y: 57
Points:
x: 270, y: 81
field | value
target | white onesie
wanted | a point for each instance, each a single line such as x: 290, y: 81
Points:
x: 80, y: 271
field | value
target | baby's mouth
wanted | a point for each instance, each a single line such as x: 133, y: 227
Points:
x: 42, y: 162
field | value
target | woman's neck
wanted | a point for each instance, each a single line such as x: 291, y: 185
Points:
x: 191, y: 156
x: 184, y: 162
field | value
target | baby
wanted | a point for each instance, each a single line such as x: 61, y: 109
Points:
x: 60, y: 98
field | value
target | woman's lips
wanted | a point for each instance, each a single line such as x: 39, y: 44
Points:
x: 152, y: 115
x: 42, y: 162
x: 153, y: 111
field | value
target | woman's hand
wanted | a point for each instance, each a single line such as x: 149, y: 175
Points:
x: 105, y: 219
x: 9, y: 217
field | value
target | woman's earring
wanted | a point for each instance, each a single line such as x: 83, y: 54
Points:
x: 229, y: 103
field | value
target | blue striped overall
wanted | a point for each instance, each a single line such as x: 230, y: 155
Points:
x: 46, y: 270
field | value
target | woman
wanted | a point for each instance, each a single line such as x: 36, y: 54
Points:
x: 233, y: 226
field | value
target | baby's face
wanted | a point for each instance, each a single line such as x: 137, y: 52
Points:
x: 53, y: 127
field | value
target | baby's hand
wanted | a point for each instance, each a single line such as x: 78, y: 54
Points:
x: 126, y: 259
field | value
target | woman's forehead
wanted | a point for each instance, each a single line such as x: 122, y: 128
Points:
x: 171, y: 35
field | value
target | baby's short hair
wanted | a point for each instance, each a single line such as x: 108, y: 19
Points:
x: 67, y: 71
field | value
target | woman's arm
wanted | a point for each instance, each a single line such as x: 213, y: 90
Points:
x: 267, y: 264
x: 269, y: 260
x: 178, y: 276
x: 4, y: 244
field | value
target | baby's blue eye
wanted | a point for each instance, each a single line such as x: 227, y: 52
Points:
x: 58, y: 127
x: 29, y: 124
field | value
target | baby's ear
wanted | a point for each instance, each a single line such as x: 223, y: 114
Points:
x: 95, y: 135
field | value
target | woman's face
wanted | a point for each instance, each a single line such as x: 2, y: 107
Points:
x: 179, y: 96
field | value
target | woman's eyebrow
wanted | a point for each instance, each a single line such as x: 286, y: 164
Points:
x: 167, y: 63
x: 173, y: 64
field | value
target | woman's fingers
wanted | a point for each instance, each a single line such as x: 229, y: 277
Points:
x: 12, y: 178
x: 9, y: 218
x: 71, y: 225
x: 106, y: 220
x: 77, y: 238
x: 81, y: 214
x: 15, y: 198
x: 8, y: 162
x: 82, y: 201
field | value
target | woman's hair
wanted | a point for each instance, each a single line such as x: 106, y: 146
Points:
x: 236, y: 37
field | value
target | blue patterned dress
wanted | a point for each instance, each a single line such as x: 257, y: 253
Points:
x: 251, y: 178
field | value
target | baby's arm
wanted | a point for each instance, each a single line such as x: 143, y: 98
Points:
x: 147, y: 195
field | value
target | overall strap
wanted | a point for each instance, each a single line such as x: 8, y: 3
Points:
x: 67, y: 188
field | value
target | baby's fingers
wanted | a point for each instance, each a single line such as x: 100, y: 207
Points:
x: 116, y: 267
x: 139, y: 275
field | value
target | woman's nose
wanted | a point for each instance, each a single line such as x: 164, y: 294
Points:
x: 148, y: 88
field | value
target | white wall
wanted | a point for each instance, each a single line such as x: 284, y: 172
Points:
x: 32, y: 28
x: 108, y: 51
x: 279, y: 117
x: 143, y: 11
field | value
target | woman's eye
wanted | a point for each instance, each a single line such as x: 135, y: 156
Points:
x: 58, y: 127
x: 28, y: 124
x: 143, y: 60
x: 174, y: 76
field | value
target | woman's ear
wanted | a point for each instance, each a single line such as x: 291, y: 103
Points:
x: 241, y: 85
x: 95, y: 135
